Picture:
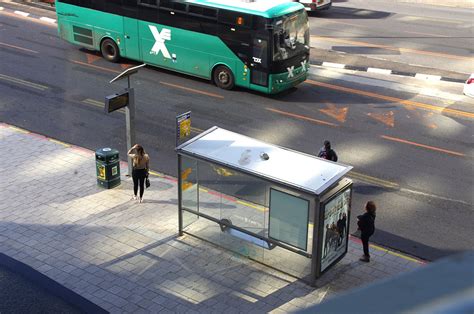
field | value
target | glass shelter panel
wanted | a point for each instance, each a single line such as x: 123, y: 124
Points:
x: 289, y: 219
x: 233, y: 210
x: 189, y: 189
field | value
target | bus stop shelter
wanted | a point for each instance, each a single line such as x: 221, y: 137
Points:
x: 283, y: 208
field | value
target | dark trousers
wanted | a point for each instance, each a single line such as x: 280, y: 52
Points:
x: 139, y: 176
x: 365, y: 244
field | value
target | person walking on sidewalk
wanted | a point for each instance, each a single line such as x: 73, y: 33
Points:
x: 140, y: 162
x: 366, y: 224
x: 327, y: 152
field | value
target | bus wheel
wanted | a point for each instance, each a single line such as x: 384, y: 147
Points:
x: 109, y: 50
x: 223, y: 77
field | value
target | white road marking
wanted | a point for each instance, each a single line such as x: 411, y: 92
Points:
x: 379, y: 71
x: 47, y: 19
x: 22, y: 13
x: 333, y: 65
x: 427, y: 77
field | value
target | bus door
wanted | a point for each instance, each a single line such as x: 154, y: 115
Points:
x: 131, y: 39
x: 259, y: 62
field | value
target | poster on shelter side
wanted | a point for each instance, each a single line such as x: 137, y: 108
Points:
x: 336, y: 226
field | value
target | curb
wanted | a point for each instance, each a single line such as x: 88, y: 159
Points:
x: 422, y: 76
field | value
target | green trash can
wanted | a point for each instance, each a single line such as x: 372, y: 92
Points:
x: 107, y: 167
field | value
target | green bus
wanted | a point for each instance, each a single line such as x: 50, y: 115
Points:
x: 261, y: 45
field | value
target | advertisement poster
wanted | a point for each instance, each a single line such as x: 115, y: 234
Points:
x: 183, y: 126
x: 336, y: 226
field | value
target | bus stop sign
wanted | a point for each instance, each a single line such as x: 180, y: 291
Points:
x: 117, y: 101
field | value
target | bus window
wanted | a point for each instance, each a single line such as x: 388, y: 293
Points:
x: 290, y: 36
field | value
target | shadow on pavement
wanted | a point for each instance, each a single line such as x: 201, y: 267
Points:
x: 369, y: 189
x: 414, y: 248
x: 34, y: 292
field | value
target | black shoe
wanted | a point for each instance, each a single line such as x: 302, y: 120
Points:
x: 365, y: 259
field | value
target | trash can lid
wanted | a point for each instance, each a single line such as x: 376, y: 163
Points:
x: 106, y: 151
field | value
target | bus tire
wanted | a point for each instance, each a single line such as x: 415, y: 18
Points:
x: 110, y: 50
x: 223, y: 77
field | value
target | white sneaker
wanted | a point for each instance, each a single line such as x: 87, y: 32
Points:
x: 140, y: 200
x: 134, y: 197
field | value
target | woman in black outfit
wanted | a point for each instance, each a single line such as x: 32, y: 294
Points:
x: 140, y: 161
x: 366, y: 224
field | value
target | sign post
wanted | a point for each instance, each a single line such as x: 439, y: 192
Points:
x: 126, y: 100
x: 183, y: 126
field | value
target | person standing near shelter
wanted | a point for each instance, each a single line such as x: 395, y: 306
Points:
x: 327, y: 152
x: 140, y: 162
x: 366, y: 224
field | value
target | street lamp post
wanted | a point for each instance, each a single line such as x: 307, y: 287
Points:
x: 129, y: 110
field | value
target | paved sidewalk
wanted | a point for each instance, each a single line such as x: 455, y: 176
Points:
x: 128, y: 257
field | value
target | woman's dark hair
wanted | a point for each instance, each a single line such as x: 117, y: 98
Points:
x: 370, y: 207
x: 139, y: 156
x: 140, y: 150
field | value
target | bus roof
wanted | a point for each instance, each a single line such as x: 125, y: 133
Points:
x: 265, y: 8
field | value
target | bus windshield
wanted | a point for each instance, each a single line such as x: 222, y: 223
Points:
x: 290, y: 36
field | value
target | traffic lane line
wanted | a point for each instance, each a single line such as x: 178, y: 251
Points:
x: 373, y: 180
x: 18, y: 47
x: 23, y: 82
x: 99, y: 104
x: 399, y: 140
x: 95, y: 66
x: 301, y: 117
x: 398, y: 49
x: 407, y: 103
x: 192, y: 90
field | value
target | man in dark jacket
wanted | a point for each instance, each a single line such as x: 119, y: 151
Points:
x: 327, y: 152
x: 366, y: 224
x: 341, y: 228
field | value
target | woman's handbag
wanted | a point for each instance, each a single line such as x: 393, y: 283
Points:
x: 147, y: 182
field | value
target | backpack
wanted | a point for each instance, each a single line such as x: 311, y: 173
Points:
x: 328, y: 154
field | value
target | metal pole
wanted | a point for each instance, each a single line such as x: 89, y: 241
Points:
x: 130, y: 124
x: 180, y: 199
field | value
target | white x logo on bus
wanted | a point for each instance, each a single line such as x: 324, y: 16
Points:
x: 160, y: 41
x: 303, y: 65
x: 290, y: 71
